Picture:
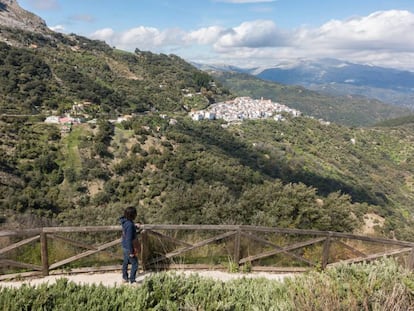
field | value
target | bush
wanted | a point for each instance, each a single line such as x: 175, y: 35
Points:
x: 380, y: 286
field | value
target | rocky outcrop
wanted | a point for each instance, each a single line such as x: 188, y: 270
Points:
x: 13, y: 16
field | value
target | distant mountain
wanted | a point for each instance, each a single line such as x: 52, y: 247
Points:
x: 220, y: 67
x: 336, y: 71
x: 344, y: 78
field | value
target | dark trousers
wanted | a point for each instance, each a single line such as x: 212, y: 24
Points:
x: 134, y: 266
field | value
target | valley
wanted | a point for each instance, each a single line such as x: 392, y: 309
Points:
x: 300, y: 172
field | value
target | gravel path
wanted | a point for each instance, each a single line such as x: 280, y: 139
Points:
x: 114, y: 278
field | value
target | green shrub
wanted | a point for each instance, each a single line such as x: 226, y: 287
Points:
x: 380, y: 286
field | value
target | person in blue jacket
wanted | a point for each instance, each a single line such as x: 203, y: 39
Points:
x: 129, y: 236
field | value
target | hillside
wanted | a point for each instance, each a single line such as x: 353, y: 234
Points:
x: 44, y: 74
x: 347, y: 110
x: 402, y: 121
x: 297, y: 173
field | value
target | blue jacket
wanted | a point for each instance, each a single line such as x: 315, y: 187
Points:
x: 129, y: 233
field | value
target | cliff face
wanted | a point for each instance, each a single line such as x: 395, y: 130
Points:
x: 13, y: 16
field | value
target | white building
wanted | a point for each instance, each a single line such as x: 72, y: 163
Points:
x: 52, y: 120
x: 197, y: 116
x: 210, y: 115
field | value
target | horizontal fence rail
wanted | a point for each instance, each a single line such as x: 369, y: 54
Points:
x: 191, y: 247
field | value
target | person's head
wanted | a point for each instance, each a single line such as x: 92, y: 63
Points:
x: 130, y: 213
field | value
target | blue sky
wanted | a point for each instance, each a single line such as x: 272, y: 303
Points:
x: 244, y: 33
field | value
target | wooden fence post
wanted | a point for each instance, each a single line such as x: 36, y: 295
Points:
x: 325, y: 255
x: 410, y: 260
x: 44, y: 254
x: 144, y: 250
x: 236, y: 257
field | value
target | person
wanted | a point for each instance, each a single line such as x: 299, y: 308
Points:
x: 129, y: 239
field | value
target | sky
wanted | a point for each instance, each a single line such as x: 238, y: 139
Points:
x: 244, y: 33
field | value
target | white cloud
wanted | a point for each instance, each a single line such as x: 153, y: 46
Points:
x: 385, y: 30
x: 106, y: 34
x: 58, y: 28
x: 383, y: 38
x: 143, y: 38
x: 204, y: 36
x: 255, y: 34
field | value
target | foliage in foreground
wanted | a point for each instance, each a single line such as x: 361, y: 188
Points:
x: 380, y: 286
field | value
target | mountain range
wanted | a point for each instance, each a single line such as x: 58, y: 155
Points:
x: 337, y: 77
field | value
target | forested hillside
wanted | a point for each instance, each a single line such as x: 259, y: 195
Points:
x: 297, y: 173
x: 45, y: 73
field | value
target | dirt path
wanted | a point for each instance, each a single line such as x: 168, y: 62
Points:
x: 114, y: 278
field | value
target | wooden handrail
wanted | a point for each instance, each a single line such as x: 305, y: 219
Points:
x: 22, y: 232
x: 237, y: 231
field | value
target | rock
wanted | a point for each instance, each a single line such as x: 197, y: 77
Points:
x: 13, y: 16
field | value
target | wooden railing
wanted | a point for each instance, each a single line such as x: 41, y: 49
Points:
x: 205, y: 246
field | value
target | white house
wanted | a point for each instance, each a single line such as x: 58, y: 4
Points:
x: 52, y: 120
x: 197, y: 116
x: 210, y: 115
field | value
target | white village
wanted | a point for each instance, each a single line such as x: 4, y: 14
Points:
x: 242, y: 108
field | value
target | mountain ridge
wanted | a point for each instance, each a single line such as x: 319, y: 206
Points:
x: 14, y: 16
x: 338, y: 77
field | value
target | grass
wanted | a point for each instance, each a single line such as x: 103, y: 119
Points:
x: 71, y: 149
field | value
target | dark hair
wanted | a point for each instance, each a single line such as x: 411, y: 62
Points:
x: 130, y: 213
